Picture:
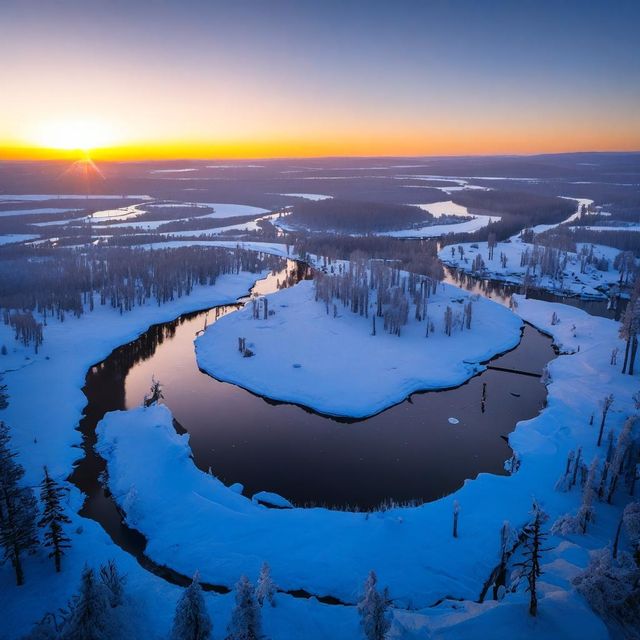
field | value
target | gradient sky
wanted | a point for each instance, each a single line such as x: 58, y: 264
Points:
x: 288, y: 78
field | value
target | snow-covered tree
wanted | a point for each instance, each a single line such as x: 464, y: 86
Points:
x: 607, y: 401
x: 265, y: 587
x: 191, y: 620
x: 534, y: 538
x: 629, y: 329
x: 612, y: 587
x: 245, y: 621
x: 18, y: 512
x: 618, y: 457
x: 91, y: 616
x: 631, y: 521
x: 53, y: 518
x: 114, y: 582
x: 373, y: 608
x: 155, y: 393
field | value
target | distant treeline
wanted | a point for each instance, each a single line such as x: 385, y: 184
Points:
x: 416, y: 256
x: 355, y: 217
x: 518, y: 210
x: 566, y: 238
x: 58, y: 282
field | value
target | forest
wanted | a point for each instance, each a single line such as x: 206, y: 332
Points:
x: 355, y: 216
x: 518, y: 210
x: 57, y: 282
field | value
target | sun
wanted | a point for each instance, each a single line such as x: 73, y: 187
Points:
x: 74, y: 135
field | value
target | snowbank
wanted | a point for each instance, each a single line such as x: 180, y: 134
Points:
x: 335, y: 366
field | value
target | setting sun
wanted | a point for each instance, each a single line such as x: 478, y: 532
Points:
x: 71, y: 135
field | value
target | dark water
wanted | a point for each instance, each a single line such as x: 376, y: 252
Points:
x: 408, y: 452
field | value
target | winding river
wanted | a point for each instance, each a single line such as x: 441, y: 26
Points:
x: 416, y: 451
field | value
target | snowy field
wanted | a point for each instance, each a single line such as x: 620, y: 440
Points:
x: 335, y: 366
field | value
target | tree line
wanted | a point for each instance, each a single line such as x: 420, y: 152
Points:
x: 53, y: 283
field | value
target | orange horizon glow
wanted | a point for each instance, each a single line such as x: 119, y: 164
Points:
x: 186, y: 150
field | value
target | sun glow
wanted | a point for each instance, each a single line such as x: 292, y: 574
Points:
x: 72, y: 135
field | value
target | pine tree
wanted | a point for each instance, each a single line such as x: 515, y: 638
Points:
x: 18, y: 511
x: 53, y: 517
x: 265, y: 587
x: 534, y: 539
x: 245, y: 621
x: 91, y: 616
x: 191, y: 620
x: 374, y: 610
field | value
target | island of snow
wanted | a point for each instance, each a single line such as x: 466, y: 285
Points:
x: 300, y: 346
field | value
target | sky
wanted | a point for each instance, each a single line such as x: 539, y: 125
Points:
x: 155, y: 79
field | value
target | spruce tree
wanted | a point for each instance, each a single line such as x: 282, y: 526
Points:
x: 53, y: 518
x: 191, y: 620
x: 374, y: 610
x: 90, y: 617
x: 245, y: 620
x: 18, y: 511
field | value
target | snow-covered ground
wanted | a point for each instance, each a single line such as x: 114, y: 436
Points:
x: 11, y: 238
x: 61, y: 367
x: 439, y: 209
x: 335, y: 366
x: 308, y: 196
x: 574, y: 216
x: 592, y: 283
x: 194, y: 522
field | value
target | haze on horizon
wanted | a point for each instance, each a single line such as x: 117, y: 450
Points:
x: 204, y: 79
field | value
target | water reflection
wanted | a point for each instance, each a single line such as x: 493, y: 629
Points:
x: 409, y: 452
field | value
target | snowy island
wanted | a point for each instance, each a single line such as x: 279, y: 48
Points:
x: 355, y: 342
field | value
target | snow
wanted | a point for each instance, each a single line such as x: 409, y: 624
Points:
x: 11, y: 238
x: 593, y: 283
x: 439, y: 209
x: 382, y: 370
x: 193, y: 522
x: 307, y: 196
x: 574, y: 216
x: 272, y: 499
x: 191, y: 519
x: 226, y: 534
x: 61, y: 367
